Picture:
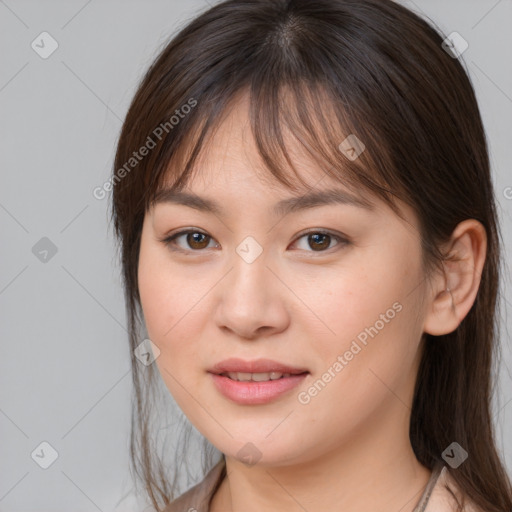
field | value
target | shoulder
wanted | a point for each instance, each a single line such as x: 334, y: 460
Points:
x: 446, y: 496
x: 198, y: 497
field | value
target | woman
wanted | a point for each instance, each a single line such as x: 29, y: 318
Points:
x: 308, y: 237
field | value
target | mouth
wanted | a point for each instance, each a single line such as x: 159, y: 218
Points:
x: 255, y: 382
x: 257, y: 377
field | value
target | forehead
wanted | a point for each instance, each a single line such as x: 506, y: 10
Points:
x: 230, y: 157
x: 229, y: 170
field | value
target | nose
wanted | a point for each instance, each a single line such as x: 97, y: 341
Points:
x: 251, y: 300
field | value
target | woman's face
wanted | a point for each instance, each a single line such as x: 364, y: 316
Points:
x: 258, y: 283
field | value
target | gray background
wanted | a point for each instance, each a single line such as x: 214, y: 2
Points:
x: 64, y: 366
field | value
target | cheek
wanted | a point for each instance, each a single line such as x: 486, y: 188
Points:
x: 174, y: 309
x: 155, y: 291
x: 346, y: 303
x: 168, y: 293
x: 369, y: 314
x: 374, y: 323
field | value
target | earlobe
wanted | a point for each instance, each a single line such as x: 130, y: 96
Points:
x: 454, y: 292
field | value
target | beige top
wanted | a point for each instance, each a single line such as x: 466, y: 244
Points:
x: 198, y: 497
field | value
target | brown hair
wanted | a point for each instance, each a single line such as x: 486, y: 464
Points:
x: 325, y: 69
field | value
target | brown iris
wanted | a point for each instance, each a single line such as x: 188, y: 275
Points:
x: 315, y: 236
x: 194, y: 240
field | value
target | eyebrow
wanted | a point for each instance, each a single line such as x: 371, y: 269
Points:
x: 283, y: 207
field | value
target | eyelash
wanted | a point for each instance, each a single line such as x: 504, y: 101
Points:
x: 169, y: 241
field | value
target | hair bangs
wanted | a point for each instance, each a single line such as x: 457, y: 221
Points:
x: 296, y: 114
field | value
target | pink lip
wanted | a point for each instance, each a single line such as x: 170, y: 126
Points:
x: 254, y: 393
x: 234, y: 364
x: 251, y: 392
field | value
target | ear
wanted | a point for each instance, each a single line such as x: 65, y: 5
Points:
x: 454, y: 292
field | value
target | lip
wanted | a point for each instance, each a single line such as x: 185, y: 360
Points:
x: 252, y: 392
x: 234, y: 364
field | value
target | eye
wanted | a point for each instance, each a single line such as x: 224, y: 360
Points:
x: 320, y: 241
x: 196, y: 240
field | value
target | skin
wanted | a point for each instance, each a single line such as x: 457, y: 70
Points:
x: 348, y: 448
